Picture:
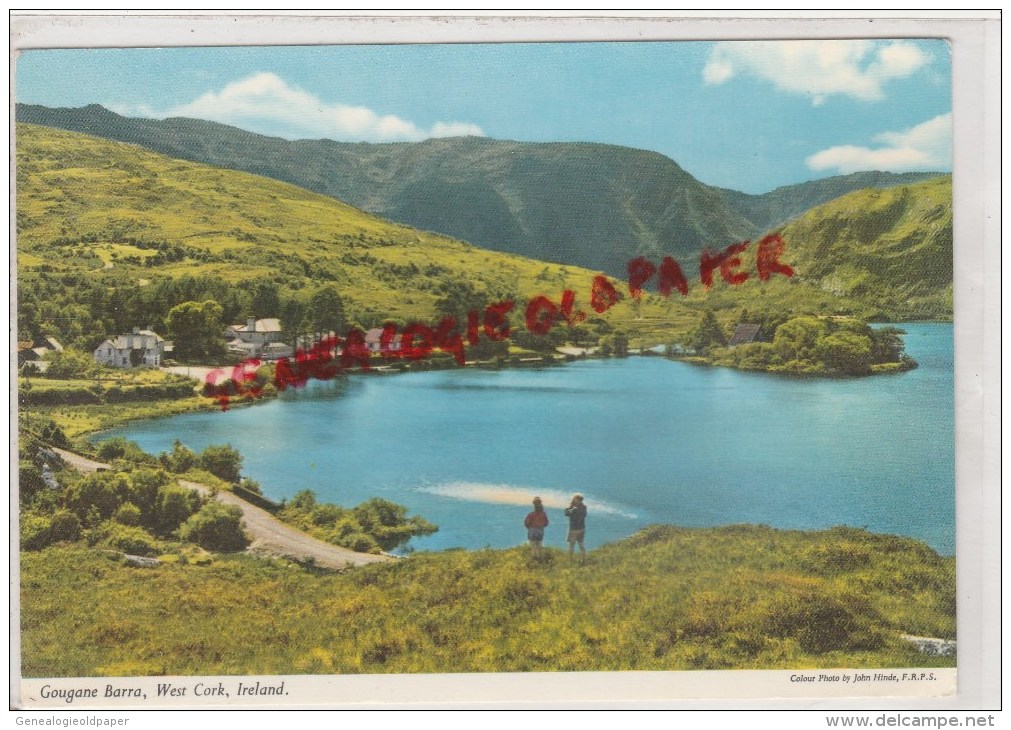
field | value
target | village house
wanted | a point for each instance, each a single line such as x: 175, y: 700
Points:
x: 745, y: 334
x: 29, y: 352
x: 260, y: 338
x: 373, y: 339
x: 139, y: 347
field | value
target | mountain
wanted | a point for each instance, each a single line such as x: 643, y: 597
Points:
x: 878, y: 253
x: 95, y: 216
x: 590, y: 205
x: 891, y: 246
x: 773, y: 209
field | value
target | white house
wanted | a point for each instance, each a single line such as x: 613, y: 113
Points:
x: 257, y: 338
x: 373, y: 339
x: 140, y: 347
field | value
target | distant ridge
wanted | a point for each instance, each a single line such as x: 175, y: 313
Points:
x: 585, y: 204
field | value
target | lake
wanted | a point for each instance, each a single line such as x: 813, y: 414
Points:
x: 646, y: 440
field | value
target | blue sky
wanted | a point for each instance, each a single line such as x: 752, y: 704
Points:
x: 749, y: 115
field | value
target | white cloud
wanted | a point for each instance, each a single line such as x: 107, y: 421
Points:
x: 855, y: 68
x: 926, y: 146
x: 266, y: 103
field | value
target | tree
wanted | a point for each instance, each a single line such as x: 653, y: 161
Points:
x: 886, y: 344
x: 798, y: 338
x: 71, y: 363
x: 266, y: 302
x: 222, y: 461
x: 293, y: 319
x: 173, y: 507
x: 388, y: 523
x: 216, y: 527
x: 326, y: 312
x: 615, y: 344
x: 707, y: 334
x: 460, y: 298
x: 197, y: 329
x: 180, y: 459
x: 846, y: 352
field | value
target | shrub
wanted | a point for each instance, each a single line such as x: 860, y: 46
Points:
x: 35, y: 531
x: 125, y: 538
x: 216, y: 527
x: 128, y: 514
x: 145, y: 485
x: 173, y: 507
x: 389, y: 524
x: 65, y: 527
x: 121, y: 448
x: 180, y: 459
x: 71, y: 363
x: 59, y: 394
x: 359, y: 542
x: 30, y: 481
x: 103, y: 493
x: 223, y: 462
x: 39, y: 531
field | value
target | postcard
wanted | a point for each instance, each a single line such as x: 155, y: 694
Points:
x: 438, y: 360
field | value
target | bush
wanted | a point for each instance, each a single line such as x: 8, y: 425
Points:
x: 145, y: 484
x: 65, y: 527
x: 360, y: 543
x: 125, y: 538
x: 59, y: 394
x: 180, y: 459
x: 388, y: 523
x: 71, y: 364
x: 121, y: 448
x: 35, y: 531
x: 173, y: 507
x: 30, y: 481
x: 216, y: 527
x: 39, y: 531
x: 101, y: 493
x: 223, y: 462
x: 128, y: 514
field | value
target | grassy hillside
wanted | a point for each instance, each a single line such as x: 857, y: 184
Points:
x: 103, y: 226
x: 119, y: 218
x: 877, y: 254
x: 666, y: 598
x: 892, y: 247
x: 589, y: 205
x: 780, y: 206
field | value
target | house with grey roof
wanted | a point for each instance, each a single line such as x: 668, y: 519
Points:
x: 745, y: 334
x: 141, y: 347
x: 257, y: 338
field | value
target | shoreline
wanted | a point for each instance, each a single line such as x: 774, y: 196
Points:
x: 198, y: 374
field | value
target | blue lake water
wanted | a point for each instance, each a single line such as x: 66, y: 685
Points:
x: 647, y: 440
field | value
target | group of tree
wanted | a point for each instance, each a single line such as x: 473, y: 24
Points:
x: 805, y: 345
x: 133, y: 508
x: 192, y: 311
x: 374, y: 526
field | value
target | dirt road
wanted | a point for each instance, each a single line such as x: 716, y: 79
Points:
x: 269, y: 535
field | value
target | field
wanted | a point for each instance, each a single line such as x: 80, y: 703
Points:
x: 741, y: 597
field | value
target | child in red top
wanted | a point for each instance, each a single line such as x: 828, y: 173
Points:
x: 535, y: 523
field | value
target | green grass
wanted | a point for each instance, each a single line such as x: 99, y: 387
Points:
x: 91, y: 413
x: 84, y: 202
x: 667, y: 598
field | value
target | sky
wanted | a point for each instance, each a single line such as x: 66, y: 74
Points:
x: 745, y: 115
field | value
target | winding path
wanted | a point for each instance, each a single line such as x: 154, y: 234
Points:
x: 270, y: 536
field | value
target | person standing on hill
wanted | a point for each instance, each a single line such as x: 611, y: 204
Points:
x: 535, y: 523
x: 576, y: 512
